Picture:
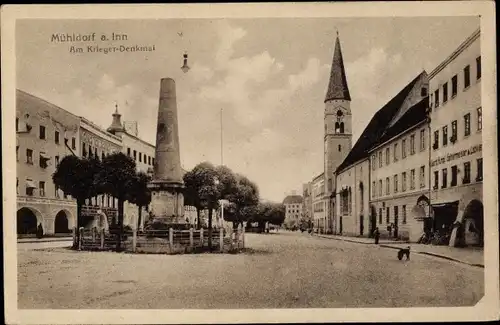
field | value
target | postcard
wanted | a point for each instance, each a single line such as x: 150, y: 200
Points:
x: 227, y: 163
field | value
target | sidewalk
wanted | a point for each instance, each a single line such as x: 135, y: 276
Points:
x: 473, y: 256
x: 43, y: 240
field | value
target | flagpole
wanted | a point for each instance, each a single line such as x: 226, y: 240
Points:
x: 222, y: 164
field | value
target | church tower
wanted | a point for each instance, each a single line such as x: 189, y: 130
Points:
x: 338, y: 121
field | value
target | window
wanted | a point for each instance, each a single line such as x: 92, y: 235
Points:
x: 479, y: 119
x: 135, y: 155
x: 380, y: 187
x: 395, y: 183
x: 445, y: 178
x: 340, y: 148
x: 56, y: 191
x: 436, y: 140
x: 96, y: 155
x: 128, y: 152
x: 91, y: 153
x: 149, y: 160
x: 467, y: 124
x: 412, y: 179
x: 56, y: 137
x: 454, y: 86
x: 374, y: 163
x: 42, y: 132
x: 445, y: 92
x: 422, y: 176
x: 478, y: 68
x: 422, y: 140
x: 102, y: 155
x: 431, y: 101
x: 29, y: 156
x: 153, y: 160
x: 436, y: 98
x: 57, y: 160
x: 436, y: 179
x: 140, y: 157
x: 387, y: 215
x: 396, y: 212
x: 380, y: 215
x: 445, y: 135
x: 453, y: 131
x: 17, y: 185
x: 73, y: 143
x: 374, y: 189
x: 395, y: 152
x: 387, y: 156
x: 423, y: 92
x: 412, y: 144
x: 380, y: 159
x: 387, y: 186
x: 17, y: 124
x: 454, y: 174
x: 403, y: 149
x: 29, y: 189
x: 466, y: 173
x: 403, y: 212
x: 41, y: 186
x: 466, y: 77
x: 403, y: 182
x: 479, y: 176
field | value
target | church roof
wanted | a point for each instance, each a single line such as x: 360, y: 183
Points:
x: 376, y: 127
x: 337, y: 86
x: 414, y: 116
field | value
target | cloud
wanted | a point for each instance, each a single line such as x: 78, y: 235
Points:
x: 228, y: 35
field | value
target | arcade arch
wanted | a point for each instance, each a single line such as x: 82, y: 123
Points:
x: 28, y: 220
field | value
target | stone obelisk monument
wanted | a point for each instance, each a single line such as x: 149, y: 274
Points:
x: 167, y: 200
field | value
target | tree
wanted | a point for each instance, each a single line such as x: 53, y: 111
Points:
x: 244, y: 195
x: 78, y: 177
x: 140, y: 194
x: 193, y: 182
x: 117, y: 177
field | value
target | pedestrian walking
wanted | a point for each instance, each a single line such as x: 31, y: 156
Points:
x: 376, y: 234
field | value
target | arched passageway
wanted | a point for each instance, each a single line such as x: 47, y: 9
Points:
x: 473, y: 225
x: 27, y: 221
x: 61, y: 225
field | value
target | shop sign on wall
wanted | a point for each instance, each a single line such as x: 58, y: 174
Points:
x: 453, y: 156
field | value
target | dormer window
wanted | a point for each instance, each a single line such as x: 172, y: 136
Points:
x: 423, y: 92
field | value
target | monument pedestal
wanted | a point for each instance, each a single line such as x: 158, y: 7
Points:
x: 167, y: 201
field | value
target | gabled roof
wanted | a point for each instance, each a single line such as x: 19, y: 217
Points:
x: 376, y: 127
x: 414, y: 116
x: 293, y: 199
x: 337, y: 86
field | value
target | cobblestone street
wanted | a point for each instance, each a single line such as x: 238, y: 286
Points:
x: 280, y: 270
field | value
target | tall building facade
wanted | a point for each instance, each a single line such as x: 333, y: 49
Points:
x: 318, y: 203
x: 456, y: 161
x: 45, y: 134
x: 337, y: 130
x: 96, y: 142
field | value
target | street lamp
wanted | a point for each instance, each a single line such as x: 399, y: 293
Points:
x: 185, y: 68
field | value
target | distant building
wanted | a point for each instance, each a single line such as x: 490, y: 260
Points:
x: 293, y: 209
x: 456, y: 160
x: 307, y: 210
x: 45, y: 134
x: 318, y: 203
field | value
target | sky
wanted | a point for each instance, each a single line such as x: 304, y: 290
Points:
x: 269, y: 77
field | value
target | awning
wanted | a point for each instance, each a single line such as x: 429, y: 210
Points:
x: 30, y: 184
x: 43, y: 155
x: 446, y: 204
